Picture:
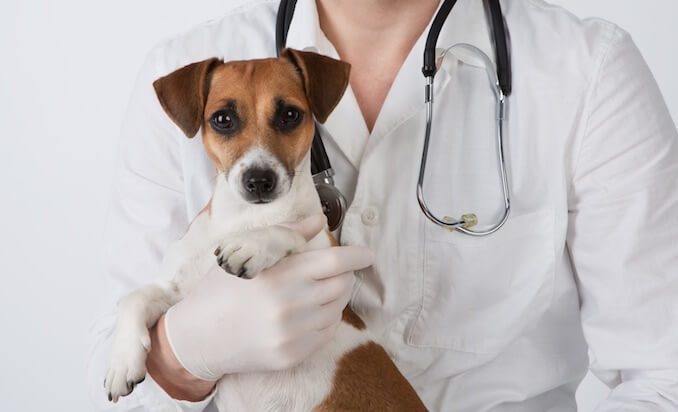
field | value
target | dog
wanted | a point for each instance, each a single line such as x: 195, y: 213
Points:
x: 264, y: 179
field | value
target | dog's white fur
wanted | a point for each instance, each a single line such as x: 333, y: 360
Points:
x: 261, y: 158
x: 234, y: 224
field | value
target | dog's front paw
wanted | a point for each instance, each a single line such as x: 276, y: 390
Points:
x: 128, y: 366
x: 248, y: 253
x: 242, y: 258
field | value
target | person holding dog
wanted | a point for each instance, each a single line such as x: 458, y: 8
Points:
x: 584, y: 270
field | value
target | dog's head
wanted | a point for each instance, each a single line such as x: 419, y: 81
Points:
x: 256, y: 116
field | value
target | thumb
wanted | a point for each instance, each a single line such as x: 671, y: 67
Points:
x: 308, y: 227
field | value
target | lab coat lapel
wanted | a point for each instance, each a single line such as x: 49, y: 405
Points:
x: 466, y: 24
x: 405, y: 97
x: 346, y: 126
x: 304, y: 32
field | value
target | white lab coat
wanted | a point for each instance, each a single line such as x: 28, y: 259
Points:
x: 587, y: 261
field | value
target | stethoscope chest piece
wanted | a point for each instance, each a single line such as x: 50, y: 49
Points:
x: 332, y: 201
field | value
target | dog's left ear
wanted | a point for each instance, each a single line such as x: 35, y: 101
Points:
x: 183, y: 94
x: 325, y: 80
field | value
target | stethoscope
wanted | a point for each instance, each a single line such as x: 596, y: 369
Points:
x: 334, y: 203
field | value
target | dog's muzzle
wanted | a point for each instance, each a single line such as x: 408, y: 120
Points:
x: 259, y: 185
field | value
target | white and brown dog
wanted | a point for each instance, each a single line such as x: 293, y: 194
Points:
x: 264, y: 179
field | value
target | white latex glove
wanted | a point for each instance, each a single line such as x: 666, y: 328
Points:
x: 272, y: 322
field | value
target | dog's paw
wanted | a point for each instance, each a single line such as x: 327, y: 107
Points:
x: 128, y: 366
x: 244, y: 259
x: 248, y: 253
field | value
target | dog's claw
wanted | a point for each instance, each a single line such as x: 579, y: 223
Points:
x: 140, y: 380
x: 226, y: 267
x: 217, y: 251
x: 242, y: 273
x: 110, y: 397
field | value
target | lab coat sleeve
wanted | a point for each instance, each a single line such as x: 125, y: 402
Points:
x: 623, y: 233
x: 147, y: 213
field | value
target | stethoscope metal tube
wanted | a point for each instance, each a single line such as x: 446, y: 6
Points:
x: 468, y: 220
x: 500, y: 80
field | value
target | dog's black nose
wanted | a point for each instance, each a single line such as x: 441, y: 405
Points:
x: 259, y: 183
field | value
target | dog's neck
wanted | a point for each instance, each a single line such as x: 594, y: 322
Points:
x: 230, y: 213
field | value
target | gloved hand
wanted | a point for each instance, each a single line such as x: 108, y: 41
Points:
x: 272, y: 322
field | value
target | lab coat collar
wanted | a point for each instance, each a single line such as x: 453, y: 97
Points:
x: 304, y: 32
x: 467, y: 23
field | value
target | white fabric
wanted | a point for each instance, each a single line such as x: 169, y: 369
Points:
x: 587, y: 260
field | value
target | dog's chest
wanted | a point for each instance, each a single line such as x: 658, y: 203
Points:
x: 298, y: 389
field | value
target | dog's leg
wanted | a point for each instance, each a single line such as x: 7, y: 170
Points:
x: 141, y: 309
x: 245, y: 254
x: 137, y: 312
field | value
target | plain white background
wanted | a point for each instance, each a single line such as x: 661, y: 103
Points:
x: 66, y: 72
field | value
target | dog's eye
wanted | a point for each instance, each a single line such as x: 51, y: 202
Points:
x: 224, y: 122
x: 288, y: 118
x: 290, y: 115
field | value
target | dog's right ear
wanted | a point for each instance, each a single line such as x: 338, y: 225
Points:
x: 183, y: 94
x: 325, y: 79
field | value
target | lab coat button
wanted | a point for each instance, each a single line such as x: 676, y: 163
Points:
x: 370, y: 216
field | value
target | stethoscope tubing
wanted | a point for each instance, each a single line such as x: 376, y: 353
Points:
x: 468, y: 220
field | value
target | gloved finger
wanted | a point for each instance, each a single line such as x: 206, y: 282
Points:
x: 325, y: 335
x: 324, y: 263
x: 346, y: 297
x: 328, y: 314
x: 341, y: 259
x: 308, y: 227
x: 330, y: 289
x: 310, y: 342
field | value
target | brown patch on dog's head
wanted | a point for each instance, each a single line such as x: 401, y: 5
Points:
x: 256, y: 115
x: 325, y: 80
x: 183, y: 93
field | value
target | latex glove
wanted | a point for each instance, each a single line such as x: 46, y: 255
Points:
x: 272, y: 322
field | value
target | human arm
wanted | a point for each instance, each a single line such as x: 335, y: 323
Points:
x: 623, y: 229
x: 168, y: 372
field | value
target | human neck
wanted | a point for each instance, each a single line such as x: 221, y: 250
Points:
x: 375, y: 37
x: 370, y: 20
